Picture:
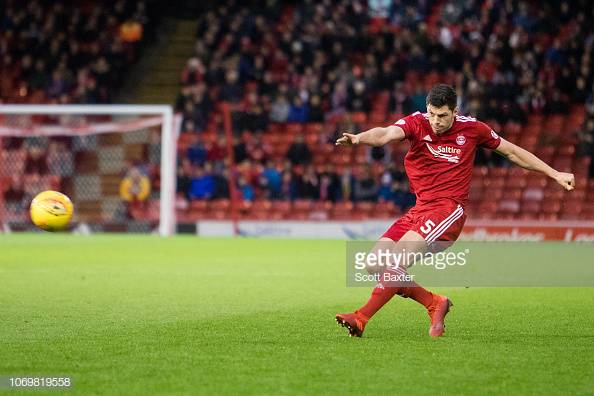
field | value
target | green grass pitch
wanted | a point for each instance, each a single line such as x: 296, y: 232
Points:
x: 126, y: 315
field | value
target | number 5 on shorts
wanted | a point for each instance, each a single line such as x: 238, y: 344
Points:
x: 426, y: 229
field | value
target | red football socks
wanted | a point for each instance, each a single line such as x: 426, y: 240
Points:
x: 382, y: 294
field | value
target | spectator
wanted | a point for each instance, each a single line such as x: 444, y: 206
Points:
x: 298, y: 111
x: 258, y: 150
x: 288, y: 187
x: 330, y: 189
x: 403, y: 198
x: 221, y: 185
x: 36, y: 162
x: 231, y: 91
x: 308, y: 185
x: 15, y: 196
x: 59, y: 159
x: 135, y: 188
x: 271, y: 181
x: 47, y: 50
x: 202, y: 184
x: 239, y: 150
x: 184, y: 170
x: 299, y: 152
x: 279, y: 112
x: 196, y: 151
x: 358, y: 100
x: 246, y: 190
x: 347, y: 184
x: 316, y: 112
x: 385, y: 192
x: 366, y: 187
x: 217, y: 151
x: 131, y: 31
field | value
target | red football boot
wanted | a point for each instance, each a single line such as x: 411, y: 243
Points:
x: 354, y: 322
x: 437, y: 311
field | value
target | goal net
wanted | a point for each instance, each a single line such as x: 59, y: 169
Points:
x: 116, y: 162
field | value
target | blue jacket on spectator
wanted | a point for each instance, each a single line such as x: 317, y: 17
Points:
x: 202, y: 187
x: 197, y: 154
x: 298, y: 112
x: 274, y: 179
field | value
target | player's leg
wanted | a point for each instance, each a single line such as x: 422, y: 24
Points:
x: 413, y: 233
x: 382, y: 293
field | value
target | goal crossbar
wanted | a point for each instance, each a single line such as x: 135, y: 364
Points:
x: 170, y: 128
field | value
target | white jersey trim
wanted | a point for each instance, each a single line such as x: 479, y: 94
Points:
x: 445, y: 224
x: 449, y: 157
x: 465, y: 119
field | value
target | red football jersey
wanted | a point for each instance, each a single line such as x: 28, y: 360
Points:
x: 440, y: 166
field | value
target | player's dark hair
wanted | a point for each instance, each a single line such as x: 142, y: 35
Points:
x: 441, y: 95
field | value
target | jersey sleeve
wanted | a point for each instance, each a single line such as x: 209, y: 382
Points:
x: 409, y: 125
x: 487, y: 137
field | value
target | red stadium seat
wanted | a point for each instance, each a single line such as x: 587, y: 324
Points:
x: 533, y: 194
x: 494, y: 182
x: 302, y: 206
x: 512, y: 128
x: 220, y: 204
x: 513, y: 194
x: 365, y: 208
x: 262, y: 205
x: 551, y: 207
x: 281, y: 206
x: 385, y: 210
x: 517, y: 172
x: 199, y: 205
x: 527, y: 216
x: 536, y: 181
x: 314, y: 127
x: 377, y: 117
x: 529, y: 142
x: 488, y: 207
x: 516, y: 182
x: 566, y: 151
x: 498, y: 172
x: 480, y: 171
x: 563, y: 163
x: 342, y: 210
x: 554, y: 194
x: 293, y: 129
x: 509, y: 206
x: 530, y: 207
x: 359, y: 117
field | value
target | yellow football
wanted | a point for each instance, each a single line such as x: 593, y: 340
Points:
x: 51, y: 210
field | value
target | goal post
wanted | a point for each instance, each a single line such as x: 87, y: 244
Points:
x: 121, y: 119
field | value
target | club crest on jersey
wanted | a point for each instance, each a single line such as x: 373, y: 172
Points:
x: 460, y: 139
x: 448, y: 153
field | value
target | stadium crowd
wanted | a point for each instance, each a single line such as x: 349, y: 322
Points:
x: 331, y: 61
x: 296, y: 75
x: 61, y: 53
x: 66, y: 52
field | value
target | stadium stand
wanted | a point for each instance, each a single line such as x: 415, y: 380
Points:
x: 64, y: 53
x: 298, y: 75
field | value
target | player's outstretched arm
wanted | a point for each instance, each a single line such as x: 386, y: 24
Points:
x: 372, y: 137
x: 527, y: 160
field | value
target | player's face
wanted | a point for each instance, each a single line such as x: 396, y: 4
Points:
x: 441, y: 118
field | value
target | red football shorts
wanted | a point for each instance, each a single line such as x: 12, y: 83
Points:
x: 440, y: 220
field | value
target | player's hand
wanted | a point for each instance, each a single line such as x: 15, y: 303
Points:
x: 567, y: 180
x: 347, y: 139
